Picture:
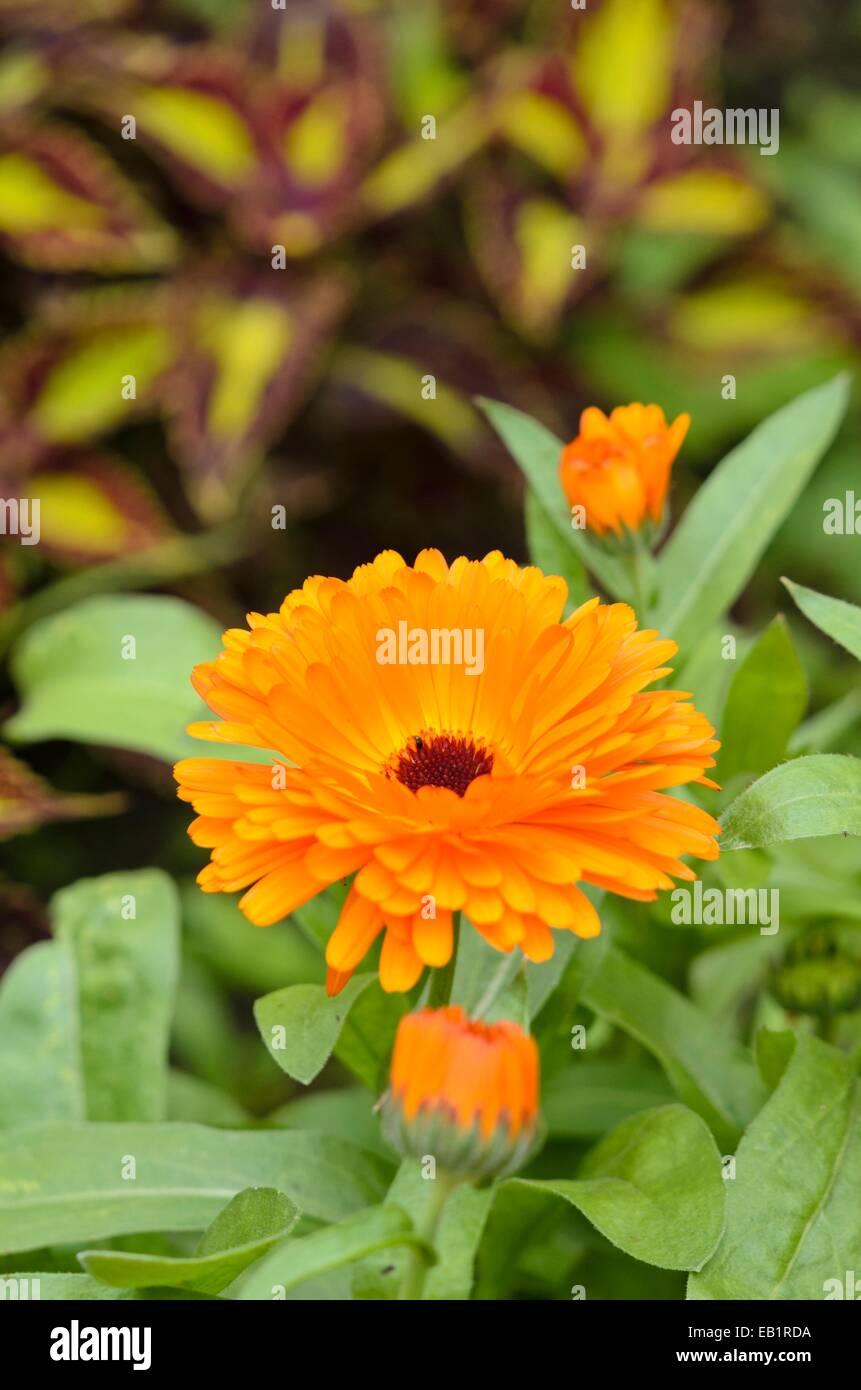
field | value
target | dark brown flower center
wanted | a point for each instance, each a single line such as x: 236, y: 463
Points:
x: 441, y: 760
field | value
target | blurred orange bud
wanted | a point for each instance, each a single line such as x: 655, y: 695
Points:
x: 464, y: 1091
x: 618, y: 467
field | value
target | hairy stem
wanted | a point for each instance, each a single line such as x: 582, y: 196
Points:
x: 440, y: 1189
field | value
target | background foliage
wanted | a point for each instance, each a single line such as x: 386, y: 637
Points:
x: 301, y: 388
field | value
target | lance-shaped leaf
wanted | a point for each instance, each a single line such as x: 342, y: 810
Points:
x: 72, y: 1183
x: 585, y: 1099
x: 833, y: 616
x: 763, y: 705
x: 549, y: 550
x: 28, y: 801
x: 64, y: 206
x: 726, y: 528
x: 250, y: 348
x: 708, y: 1069
x: 793, y: 1226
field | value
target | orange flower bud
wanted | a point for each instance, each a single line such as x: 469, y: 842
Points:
x: 463, y: 1091
x: 618, y: 467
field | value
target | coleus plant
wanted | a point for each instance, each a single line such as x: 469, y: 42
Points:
x: 269, y: 171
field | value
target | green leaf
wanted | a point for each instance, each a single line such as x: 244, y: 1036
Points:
x: 653, y: 1187
x: 199, y: 1102
x: 255, y: 1214
x: 816, y: 795
x: 300, y: 1025
x: 833, y: 616
x: 708, y: 1070
x: 551, y: 552
x: 241, y: 954
x: 310, y: 1256
x: 456, y: 1241
x: 793, y: 1226
x: 564, y: 977
x: 81, y: 1288
x: 569, y: 970
x: 587, y: 1098
x: 830, y: 725
x: 488, y: 983
x: 725, y: 979
x: 765, y: 703
x: 40, y: 1079
x: 708, y: 672
x: 520, y: 1219
x: 368, y: 1035
x: 537, y: 451
x: 64, y: 1184
x: 78, y: 678
x: 251, y: 1223
x: 774, y: 1052
x: 348, y: 1112
x: 715, y: 547
x: 126, y: 974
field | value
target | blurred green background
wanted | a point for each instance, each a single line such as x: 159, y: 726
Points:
x: 282, y: 261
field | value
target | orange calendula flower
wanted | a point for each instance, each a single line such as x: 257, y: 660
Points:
x: 618, y: 467
x: 442, y: 734
x: 462, y: 1090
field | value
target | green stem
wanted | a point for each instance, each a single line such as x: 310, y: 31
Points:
x: 440, y: 1189
x: 640, y: 571
x: 442, y: 979
x: 828, y: 1029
